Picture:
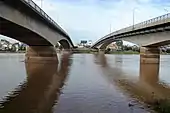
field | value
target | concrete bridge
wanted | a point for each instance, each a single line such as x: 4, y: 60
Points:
x: 24, y: 21
x: 149, y: 35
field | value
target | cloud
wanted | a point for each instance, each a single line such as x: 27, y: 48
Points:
x: 92, y: 19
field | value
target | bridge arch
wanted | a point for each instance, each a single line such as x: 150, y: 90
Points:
x: 28, y: 23
x: 104, y: 45
x: 22, y: 34
x: 65, y: 44
x: 27, y: 36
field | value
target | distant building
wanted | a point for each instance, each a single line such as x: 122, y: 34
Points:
x: 4, y: 44
x: 8, y: 46
x: 83, y: 42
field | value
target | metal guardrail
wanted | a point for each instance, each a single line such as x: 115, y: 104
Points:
x: 159, y: 18
x: 42, y: 13
x: 147, y: 23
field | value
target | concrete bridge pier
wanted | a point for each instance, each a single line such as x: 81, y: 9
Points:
x: 149, y: 64
x: 101, y: 51
x: 41, y: 54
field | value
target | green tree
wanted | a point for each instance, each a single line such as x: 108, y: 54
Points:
x: 119, y: 43
x: 13, y: 48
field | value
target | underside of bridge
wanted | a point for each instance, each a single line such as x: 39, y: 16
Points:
x: 149, y: 50
x: 21, y: 22
x: 149, y: 59
x: 12, y: 30
x: 65, y: 44
x: 104, y: 45
x: 38, y: 46
x: 148, y: 40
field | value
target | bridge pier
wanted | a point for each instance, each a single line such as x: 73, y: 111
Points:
x: 149, y: 64
x: 41, y: 54
x: 101, y: 51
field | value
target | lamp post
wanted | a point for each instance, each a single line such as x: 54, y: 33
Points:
x: 41, y: 3
x: 133, y: 18
x: 110, y: 27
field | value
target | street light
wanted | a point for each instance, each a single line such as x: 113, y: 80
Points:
x: 110, y: 27
x: 41, y: 1
x: 133, y: 17
x: 110, y: 24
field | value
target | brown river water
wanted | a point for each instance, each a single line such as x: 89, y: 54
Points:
x: 80, y: 83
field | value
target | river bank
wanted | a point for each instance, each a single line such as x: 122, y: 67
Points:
x: 148, y: 93
x: 89, y: 51
x: 12, y: 52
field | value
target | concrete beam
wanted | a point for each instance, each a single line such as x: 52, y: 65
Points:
x: 153, y: 39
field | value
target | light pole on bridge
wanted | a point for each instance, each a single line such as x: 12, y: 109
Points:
x: 133, y: 17
x: 41, y: 3
x: 110, y: 28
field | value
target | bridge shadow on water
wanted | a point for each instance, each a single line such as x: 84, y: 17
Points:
x: 144, y: 89
x: 41, y: 89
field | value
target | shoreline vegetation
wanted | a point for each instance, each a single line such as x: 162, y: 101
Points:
x: 89, y: 51
x: 12, y: 52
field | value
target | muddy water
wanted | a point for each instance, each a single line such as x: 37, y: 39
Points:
x: 80, y: 83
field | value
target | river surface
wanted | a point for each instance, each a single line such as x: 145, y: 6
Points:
x: 80, y: 83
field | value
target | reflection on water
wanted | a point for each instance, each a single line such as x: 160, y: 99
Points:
x: 42, y: 87
x: 146, y: 86
x: 88, y: 92
x: 80, y: 83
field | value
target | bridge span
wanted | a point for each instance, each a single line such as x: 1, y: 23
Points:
x: 149, y: 35
x: 25, y: 21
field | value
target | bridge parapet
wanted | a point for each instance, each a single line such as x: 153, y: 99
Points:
x: 36, y: 8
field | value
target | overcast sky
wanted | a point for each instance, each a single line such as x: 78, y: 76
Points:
x: 91, y: 19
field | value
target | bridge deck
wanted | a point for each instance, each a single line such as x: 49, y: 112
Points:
x: 30, y: 8
x: 160, y: 20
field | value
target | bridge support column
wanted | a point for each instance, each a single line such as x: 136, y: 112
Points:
x: 149, y: 64
x: 41, y: 54
x: 102, y: 51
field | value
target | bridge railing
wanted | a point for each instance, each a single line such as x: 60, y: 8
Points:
x: 154, y: 21
x: 42, y: 13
